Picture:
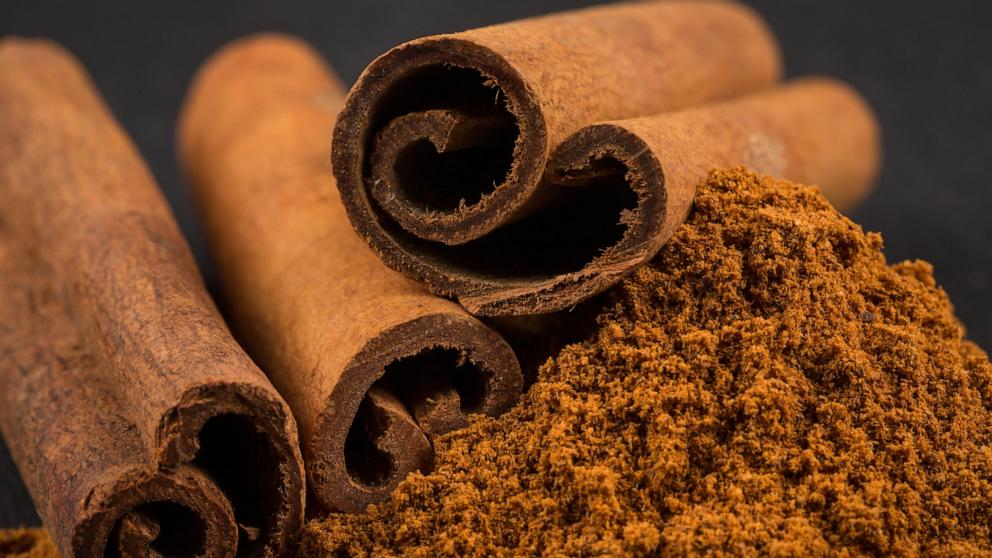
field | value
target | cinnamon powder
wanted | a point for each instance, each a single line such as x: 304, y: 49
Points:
x: 26, y: 543
x: 768, y: 385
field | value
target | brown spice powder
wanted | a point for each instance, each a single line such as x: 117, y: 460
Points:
x: 26, y: 543
x: 768, y: 385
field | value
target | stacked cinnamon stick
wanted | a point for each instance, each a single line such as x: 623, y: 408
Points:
x: 513, y: 171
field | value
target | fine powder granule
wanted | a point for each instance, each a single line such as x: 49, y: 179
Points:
x: 767, y: 386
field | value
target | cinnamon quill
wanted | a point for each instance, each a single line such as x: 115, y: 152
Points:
x: 138, y: 424
x: 372, y: 364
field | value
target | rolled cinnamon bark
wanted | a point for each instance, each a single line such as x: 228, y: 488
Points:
x: 371, y: 363
x: 139, y: 425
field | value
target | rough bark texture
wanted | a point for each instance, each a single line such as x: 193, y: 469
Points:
x: 139, y: 425
x: 372, y: 364
x: 442, y: 144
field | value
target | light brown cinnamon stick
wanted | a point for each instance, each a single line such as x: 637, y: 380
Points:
x: 139, y: 425
x: 373, y: 365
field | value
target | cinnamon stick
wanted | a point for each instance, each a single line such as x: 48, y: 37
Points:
x: 372, y: 364
x: 139, y: 425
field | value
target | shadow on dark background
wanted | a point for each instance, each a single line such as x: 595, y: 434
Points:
x: 925, y: 69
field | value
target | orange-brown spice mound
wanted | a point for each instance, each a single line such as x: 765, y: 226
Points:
x: 26, y: 543
x: 768, y: 385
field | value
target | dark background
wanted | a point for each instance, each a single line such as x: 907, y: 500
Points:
x: 925, y: 67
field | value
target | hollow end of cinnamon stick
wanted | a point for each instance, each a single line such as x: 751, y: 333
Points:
x: 374, y: 366
x: 220, y: 488
x: 454, y: 173
x: 411, y: 384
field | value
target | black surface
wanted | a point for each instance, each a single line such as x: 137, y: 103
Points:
x: 925, y: 67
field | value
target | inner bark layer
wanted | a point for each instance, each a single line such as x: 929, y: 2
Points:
x: 434, y: 390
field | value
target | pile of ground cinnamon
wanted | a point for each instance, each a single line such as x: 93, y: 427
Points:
x: 26, y: 543
x: 767, y: 385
